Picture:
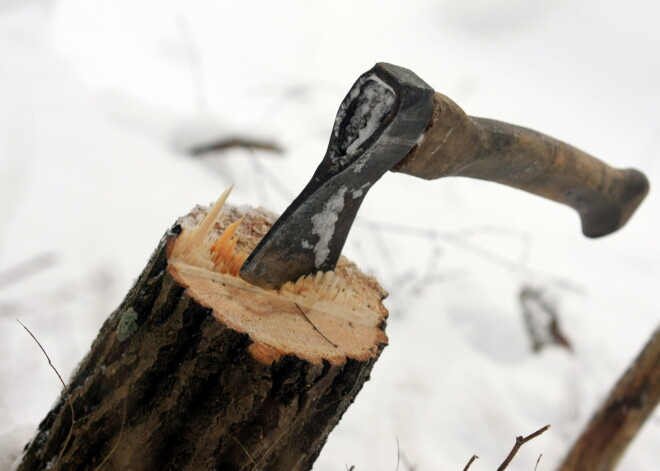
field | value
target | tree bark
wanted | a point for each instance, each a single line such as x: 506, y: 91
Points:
x: 633, y: 399
x: 198, y: 370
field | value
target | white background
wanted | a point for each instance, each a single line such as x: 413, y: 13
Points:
x: 97, y: 99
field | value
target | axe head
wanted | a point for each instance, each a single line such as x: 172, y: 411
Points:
x: 382, y: 118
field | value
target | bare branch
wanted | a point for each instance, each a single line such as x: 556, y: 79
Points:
x: 542, y: 319
x: 247, y: 453
x: 196, y: 65
x: 67, y: 396
x: 537, y: 462
x: 459, y: 241
x: 520, y: 441
x: 222, y: 144
x: 618, y: 420
x: 47, y: 357
x: 27, y: 268
x: 472, y: 460
x: 398, y: 454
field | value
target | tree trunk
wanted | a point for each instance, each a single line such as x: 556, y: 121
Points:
x: 603, y: 442
x: 198, y: 370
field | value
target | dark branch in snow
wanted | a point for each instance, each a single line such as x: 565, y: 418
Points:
x: 542, y: 319
x: 621, y: 416
x: 520, y: 441
x: 27, y: 268
x: 67, y: 396
x: 536, y: 466
x: 472, y: 460
x: 234, y: 142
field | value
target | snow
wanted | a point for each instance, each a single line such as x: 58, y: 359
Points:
x: 375, y: 100
x: 377, y: 103
x: 98, y: 98
x: 360, y: 191
x: 323, y: 225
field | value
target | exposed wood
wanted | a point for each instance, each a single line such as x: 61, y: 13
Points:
x: 633, y: 399
x: 198, y: 370
x: 456, y: 144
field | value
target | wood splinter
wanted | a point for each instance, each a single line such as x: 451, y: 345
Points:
x: 197, y: 369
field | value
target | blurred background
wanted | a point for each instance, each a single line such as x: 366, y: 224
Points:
x: 117, y: 117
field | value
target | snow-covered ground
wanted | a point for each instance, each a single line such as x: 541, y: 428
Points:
x: 98, y: 98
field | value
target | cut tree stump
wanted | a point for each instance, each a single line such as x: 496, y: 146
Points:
x: 199, y: 370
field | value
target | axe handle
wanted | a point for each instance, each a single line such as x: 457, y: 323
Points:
x: 456, y: 144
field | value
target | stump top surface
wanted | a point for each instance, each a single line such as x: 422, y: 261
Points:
x: 330, y: 316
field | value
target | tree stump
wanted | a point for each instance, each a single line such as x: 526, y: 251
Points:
x: 199, y: 370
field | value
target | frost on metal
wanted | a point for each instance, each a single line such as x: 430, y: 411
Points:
x: 360, y: 191
x: 368, y: 103
x: 323, y: 225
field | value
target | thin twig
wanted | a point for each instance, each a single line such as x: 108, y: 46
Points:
x: 247, y: 453
x: 196, y: 66
x: 260, y: 180
x: 286, y: 430
x: 225, y: 143
x: 114, y: 448
x: 520, y: 441
x: 315, y: 328
x: 467, y: 466
x: 525, y: 237
x: 47, y: 357
x: 398, y: 454
x: 67, y: 396
x: 426, y: 281
x: 537, y: 462
x: 541, y: 319
x: 277, y: 184
x: 27, y: 268
x: 457, y: 240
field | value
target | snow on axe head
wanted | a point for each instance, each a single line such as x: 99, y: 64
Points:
x: 380, y: 120
x: 392, y: 120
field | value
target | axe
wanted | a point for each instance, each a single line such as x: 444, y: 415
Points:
x: 392, y: 120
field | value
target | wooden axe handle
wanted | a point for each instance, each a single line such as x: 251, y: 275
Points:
x: 456, y: 144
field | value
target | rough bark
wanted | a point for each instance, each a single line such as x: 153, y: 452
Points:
x: 633, y: 399
x: 175, y: 382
